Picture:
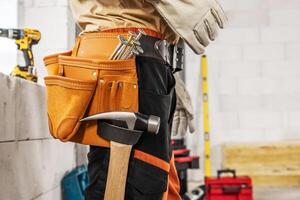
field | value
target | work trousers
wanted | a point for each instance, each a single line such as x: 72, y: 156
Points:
x: 152, y: 174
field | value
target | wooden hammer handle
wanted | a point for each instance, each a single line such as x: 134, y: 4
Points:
x: 117, y: 171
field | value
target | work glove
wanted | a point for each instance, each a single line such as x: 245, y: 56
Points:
x: 184, y: 112
x: 197, y: 22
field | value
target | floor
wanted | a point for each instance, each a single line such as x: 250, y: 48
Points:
x: 267, y: 193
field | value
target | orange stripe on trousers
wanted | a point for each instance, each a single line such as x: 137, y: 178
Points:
x: 152, y: 160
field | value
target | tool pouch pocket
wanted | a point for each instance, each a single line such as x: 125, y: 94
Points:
x: 51, y: 62
x: 80, y: 87
x: 67, y: 101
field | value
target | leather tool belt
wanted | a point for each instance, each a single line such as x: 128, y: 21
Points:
x: 83, y: 82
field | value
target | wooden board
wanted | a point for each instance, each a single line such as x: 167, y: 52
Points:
x: 273, y: 164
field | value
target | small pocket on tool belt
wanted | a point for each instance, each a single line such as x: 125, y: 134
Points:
x: 117, y: 92
x: 51, y: 62
x: 146, y: 180
x: 67, y: 101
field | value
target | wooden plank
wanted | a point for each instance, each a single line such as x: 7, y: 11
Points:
x: 276, y: 181
x: 273, y: 164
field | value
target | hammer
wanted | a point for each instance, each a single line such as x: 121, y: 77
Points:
x: 123, y: 129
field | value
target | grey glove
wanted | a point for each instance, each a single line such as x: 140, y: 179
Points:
x: 184, y: 113
x: 195, y: 21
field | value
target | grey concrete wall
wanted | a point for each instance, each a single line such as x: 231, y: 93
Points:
x: 31, y: 162
x: 253, y: 74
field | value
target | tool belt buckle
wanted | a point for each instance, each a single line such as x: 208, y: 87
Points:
x: 173, y: 56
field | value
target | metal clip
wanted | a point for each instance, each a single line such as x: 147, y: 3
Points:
x: 178, y: 56
x: 162, y: 47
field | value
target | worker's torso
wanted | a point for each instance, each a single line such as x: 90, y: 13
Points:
x: 94, y: 15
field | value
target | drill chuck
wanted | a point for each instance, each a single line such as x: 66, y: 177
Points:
x: 12, y: 33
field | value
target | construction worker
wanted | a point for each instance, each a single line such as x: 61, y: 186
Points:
x: 152, y: 173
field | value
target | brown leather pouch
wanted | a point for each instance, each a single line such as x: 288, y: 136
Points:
x: 82, y: 87
x: 67, y: 101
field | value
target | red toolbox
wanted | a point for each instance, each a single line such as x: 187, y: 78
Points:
x: 228, y: 187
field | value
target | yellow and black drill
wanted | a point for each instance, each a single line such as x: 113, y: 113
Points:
x: 25, y: 38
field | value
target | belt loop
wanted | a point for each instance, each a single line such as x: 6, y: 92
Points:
x: 76, y: 47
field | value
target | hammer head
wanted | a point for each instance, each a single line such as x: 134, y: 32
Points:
x: 132, y: 121
x: 124, y: 127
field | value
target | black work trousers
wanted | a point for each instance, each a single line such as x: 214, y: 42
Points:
x: 156, y: 97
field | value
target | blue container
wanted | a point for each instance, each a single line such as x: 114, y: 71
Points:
x: 75, y: 183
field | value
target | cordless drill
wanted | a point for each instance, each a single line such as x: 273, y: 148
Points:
x: 24, y: 38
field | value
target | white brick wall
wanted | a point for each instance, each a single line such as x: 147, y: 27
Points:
x: 254, y: 70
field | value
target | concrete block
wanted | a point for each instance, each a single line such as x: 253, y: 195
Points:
x: 234, y: 103
x: 239, y: 36
x: 8, y: 182
x: 293, y: 120
x: 247, y: 19
x: 291, y: 86
x: 238, y: 135
x: 224, y: 53
x: 281, y: 69
x: 257, y: 86
x: 276, y: 134
x: 227, y: 86
x: 281, y: 5
x: 285, y: 17
x: 224, y: 120
x: 292, y: 51
x: 31, y: 168
x: 239, y: 69
x: 284, y: 103
x: 280, y: 34
x: 239, y: 5
x: 51, y: 195
x: 62, y: 2
x: 260, y: 119
x: 44, y: 3
x: 8, y: 112
x: 31, y: 120
x: 264, y: 52
x: 23, y: 108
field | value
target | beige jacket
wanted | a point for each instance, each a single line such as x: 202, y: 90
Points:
x: 95, y: 15
x: 195, y: 21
